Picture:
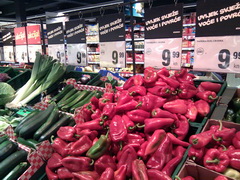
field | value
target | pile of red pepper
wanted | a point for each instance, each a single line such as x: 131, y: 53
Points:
x: 217, y: 148
x: 136, y: 132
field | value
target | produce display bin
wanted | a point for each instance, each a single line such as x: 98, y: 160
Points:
x: 20, y: 79
x: 4, y: 69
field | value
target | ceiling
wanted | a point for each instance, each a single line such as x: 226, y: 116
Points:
x: 33, y: 8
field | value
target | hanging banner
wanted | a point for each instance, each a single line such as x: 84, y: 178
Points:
x: 56, y: 47
x: 76, y: 43
x: 112, y: 40
x: 8, y: 53
x: 217, y: 36
x: 163, y: 36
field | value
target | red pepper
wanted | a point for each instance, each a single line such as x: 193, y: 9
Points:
x: 86, y: 175
x: 127, y: 107
x: 104, y: 162
x: 138, y: 115
x: 124, y: 98
x: 177, y: 106
x: 87, y: 132
x: 196, y: 154
x: 159, y: 113
x: 96, y: 114
x: 95, y: 124
x: 155, y: 140
x: 234, y: 156
x: 139, y: 170
x: 67, y: 133
x: 224, y: 149
x: 156, y: 174
x: 64, y: 173
x: 152, y: 124
x: 202, y: 107
x: 137, y: 90
x: 171, y: 165
x: 50, y: 174
x: 75, y: 164
x: 182, y: 127
x: 60, y: 147
x: 149, y: 102
x: 150, y: 75
x: 141, y: 151
x: 136, y: 80
x: 108, y: 174
x: 80, y: 146
x: 108, y: 95
x: 88, y: 110
x: 191, y: 111
x: 118, y: 130
x: 162, y: 90
x: 177, y: 141
x: 221, y: 177
x: 162, y: 155
x: 94, y: 101
x: 134, y: 139
x: 103, y: 102
x: 210, y: 86
x: 55, y: 161
x: 185, y: 178
x: 208, y: 96
x: 95, y: 140
x: 188, y: 78
x: 202, y: 139
x: 120, y: 173
x: 128, y: 123
x: 109, y: 111
x: 163, y: 71
x: 182, y: 73
x: 215, y: 160
x: 187, y: 91
x: 170, y: 81
x: 236, y: 140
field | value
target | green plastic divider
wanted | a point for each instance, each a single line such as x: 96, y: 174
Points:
x: 77, y: 74
x: 20, y: 79
x: 4, y: 69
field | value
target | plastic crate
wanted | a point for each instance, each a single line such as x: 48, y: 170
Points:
x: 20, y: 79
x: 4, y: 69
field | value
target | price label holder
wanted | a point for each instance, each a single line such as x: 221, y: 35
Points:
x: 112, y: 41
x: 57, y: 51
x: 32, y: 49
x: 217, y: 37
x: 21, y: 53
x: 163, y: 36
x: 77, y: 54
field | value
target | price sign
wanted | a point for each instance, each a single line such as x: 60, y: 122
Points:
x: 57, y: 51
x: 8, y: 53
x: 32, y: 49
x: 113, y: 54
x: 217, y: 37
x: 112, y: 41
x: 167, y: 51
x: 77, y: 54
x: 21, y: 54
x: 163, y: 36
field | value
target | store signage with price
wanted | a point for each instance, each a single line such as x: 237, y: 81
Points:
x: 56, y: 47
x: 21, y: 44
x: 112, y: 40
x: 163, y: 36
x: 7, y: 38
x: 76, y: 43
x: 217, y: 43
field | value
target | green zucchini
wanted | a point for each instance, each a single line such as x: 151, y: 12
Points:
x: 70, y: 99
x: 11, y: 161
x: 17, y: 171
x: 7, y: 148
x: 28, y: 142
x: 36, y: 122
x: 61, y: 94
x: 84, y: 101
x: 68, y: 95
x: 96, y: 83
x: 3, y: 138
x: 53, y: 130
x: 54, y: 116
x: 76, y: 100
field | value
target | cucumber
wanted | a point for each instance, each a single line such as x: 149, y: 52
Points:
x: 29, y: 129
x: 68, y: 95
x: 96, y: 83
x: 76, y: 100
x: 7, y: 148
x: 11, y: 161
x: 26, y: 120
x: 54, y: 116
x: 53, y: 130
x: 70, y: 99
x: 61, y: 94
x: 17, y: 171
x: 84, y: 101
x: 3, y: 138
x: 28, y: 142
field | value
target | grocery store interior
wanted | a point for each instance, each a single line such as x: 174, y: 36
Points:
x: 120, y: 90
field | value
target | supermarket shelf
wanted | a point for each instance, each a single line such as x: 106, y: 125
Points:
x: 136, y: 39
x: 187, y: 25
x: 93, y: 53
x: 135, y: 62
x: 93, y: 62
x: 93, y: 42
x: 92, y: 34
x: 135, y: 49
x: 188, y: 49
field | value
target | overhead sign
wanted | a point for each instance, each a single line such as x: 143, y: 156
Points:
x: 163, y: 36
x: 217, y: 36
x: 20, y: 36
x: 112, y: 40
x: 7, y: 38
x: 33, y: 34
